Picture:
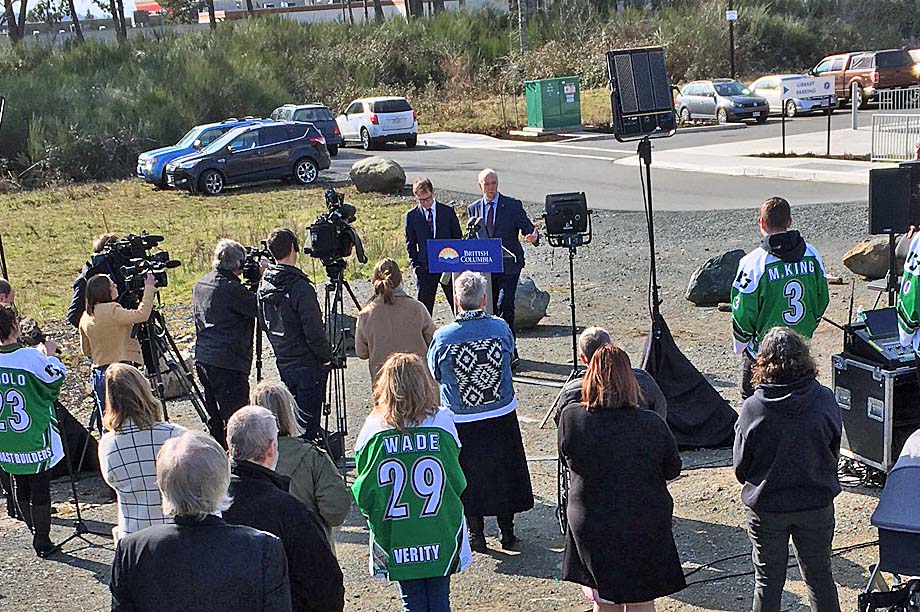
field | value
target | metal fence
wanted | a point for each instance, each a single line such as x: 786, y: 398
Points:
x: 894, y: 136
x: 899, y: 99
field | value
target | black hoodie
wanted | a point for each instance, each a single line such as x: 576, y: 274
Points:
x: 290, y: 315
x: 787, y: 443
x: 788, y: 246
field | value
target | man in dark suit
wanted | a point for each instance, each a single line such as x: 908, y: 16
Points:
x: 428, y: 220
x: 504, y: 218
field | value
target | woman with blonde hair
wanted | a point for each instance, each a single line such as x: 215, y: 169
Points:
x: 392, y: 321
x: 315, y: 479
x: 619, y: 545
x: 408, y: 486
x: 128, y: 450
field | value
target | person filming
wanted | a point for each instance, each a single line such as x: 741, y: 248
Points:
x: 225, y: 314
x: 106, y: 329
x: 30, y: 442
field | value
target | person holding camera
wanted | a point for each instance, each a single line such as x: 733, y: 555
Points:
x: 30, y: 442
x: 97, y: 264
x: 105, y: 328
x: 290, y: 315
x: 225, y: 314
x: 6, y: 297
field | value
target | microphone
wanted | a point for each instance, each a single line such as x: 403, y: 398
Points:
x: 474, y: 224
x: 172, y: 263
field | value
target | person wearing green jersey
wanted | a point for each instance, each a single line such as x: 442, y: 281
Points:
x: 908, y: 305
x: 408, y: 486
x: 30, y: 443
x: 781, y: 283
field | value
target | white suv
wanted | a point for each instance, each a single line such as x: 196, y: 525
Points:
x: 372, y: 121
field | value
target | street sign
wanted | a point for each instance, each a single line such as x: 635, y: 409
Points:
x: 731, y: 15
x: 807, y: 87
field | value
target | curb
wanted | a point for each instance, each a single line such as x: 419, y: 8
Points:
x: 856, y: 177
x: 713, y: 128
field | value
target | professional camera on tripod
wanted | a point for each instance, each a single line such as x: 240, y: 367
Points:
x: 252, y: 275
x: 332, y: 237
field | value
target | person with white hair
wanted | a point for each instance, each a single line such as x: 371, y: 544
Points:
x: 471, y: 360
x: 261, y: 501
x: 198, y: 562
x: 225, y: 316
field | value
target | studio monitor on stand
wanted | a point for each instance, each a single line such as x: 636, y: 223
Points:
x: 640, y: 94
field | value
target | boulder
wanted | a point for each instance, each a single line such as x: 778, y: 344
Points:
x: 869, y: 258
x: 530, y: 304
x: 378, y: 174
x: 711, y: 283
x: 171, y: 372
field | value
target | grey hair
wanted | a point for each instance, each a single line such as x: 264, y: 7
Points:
x: 228, y: 255
x: 486, y: 172
x: 277, y: 399
x: 471, y: 290
x: 592, y: 339
x: 250, y: 432
x: 193, y: 475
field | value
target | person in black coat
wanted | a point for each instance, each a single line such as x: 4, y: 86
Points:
x: 198, y: 562
x: 503, y: 218
x: 429, y: 220
x: 261, y: 501
x: 787, y: 444
x: 619, y: 545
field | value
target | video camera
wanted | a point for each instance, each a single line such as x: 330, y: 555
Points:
x: 131, y: 257
x: 332, y: 237
x: 252, y: 264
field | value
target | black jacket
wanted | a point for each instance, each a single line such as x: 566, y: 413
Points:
x: 289, y: 313
x: 511, y: 220
x: 652, y: 397
x: 225, y: 315
x: 447, y: 226
x: 787, y: 443
x: 192, y: 565
x: 261, y: 501
x: 789, y: 246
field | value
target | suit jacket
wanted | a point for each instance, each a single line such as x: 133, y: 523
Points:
x: 192, y: 565
x: 510, y: 221
x: 447, y: 226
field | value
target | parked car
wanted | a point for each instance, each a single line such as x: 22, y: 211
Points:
x: 373, y: 121
x: 871, y: 70
x: 771, y: 88
x: 286, y: 150
x: 151, y: 164
x: 721, y: 99
x: 915, y: 56
x: 317, y: 114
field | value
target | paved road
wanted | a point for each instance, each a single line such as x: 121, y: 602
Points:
x: 532, y: 171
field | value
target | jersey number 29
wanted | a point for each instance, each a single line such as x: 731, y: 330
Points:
x: 426, y: 478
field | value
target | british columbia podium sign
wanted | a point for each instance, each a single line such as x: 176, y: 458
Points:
x: 461, y: 255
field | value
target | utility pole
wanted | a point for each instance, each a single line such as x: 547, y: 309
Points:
x: 731, y: 16
x: 522, y: 33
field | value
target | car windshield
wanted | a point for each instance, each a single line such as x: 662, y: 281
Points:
x: 391, y: 106
x: 223, y: 141
x: 731, y: 88
x: 313, y: 114
x: 189, y: 138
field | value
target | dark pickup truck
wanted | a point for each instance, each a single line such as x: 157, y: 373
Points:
x: 872, y: 70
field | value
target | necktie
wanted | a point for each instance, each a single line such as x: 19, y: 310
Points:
x: 430, y: 216
x: 490, y: 219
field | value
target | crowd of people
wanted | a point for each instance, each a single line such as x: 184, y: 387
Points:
x: 243, y: 517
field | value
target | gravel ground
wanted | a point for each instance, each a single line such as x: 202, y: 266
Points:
x: 611, y: 285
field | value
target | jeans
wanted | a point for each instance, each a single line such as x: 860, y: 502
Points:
x: 504, y: 288
x: 99, y: 389
x: 425, y: 594
x: 812, y: 532
x: 308, y: 385
x: 225, y: 392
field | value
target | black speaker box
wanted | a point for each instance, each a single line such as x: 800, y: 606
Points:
x: 889, y: 200
x: 640, y: 94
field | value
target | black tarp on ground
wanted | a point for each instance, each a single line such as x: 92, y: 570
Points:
x: 698, y: 416
x: 78, y: 438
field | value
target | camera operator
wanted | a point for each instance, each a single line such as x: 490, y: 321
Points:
x: 105, y: 328
x: 225, y: 315
x: 96, y: 265
x: 290, y: 315
x: 7, y: 295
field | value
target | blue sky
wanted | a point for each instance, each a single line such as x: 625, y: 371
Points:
x: 82, y: 5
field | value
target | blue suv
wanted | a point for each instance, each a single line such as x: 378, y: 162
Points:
x: 151, y: 164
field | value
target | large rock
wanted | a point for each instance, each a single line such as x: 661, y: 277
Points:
x: 711, y: 283
x: 530, y: 304
x: 869, y: 258
x: 378, y: 174
x: 172, y: 375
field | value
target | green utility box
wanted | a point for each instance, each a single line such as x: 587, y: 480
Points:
x: 553, y: 103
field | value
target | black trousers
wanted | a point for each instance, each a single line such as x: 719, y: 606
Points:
x: 308, y: 386
x: 428, y: 289
x: 747, y: 389
x: 225, y: 392
x: 33, y: 488
x: 504, y: 288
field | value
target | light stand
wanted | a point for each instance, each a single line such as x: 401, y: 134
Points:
x: 3, y: 270
x: 645, y: 156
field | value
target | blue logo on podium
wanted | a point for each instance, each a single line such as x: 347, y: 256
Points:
x: 460, y: 255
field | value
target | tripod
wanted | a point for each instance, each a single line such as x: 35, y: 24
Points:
x: 336, y: 331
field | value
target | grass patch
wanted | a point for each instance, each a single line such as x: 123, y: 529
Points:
x: 47, y: 234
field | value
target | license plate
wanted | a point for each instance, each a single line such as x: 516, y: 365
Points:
x: 170, y: 180
x: 757, y: 114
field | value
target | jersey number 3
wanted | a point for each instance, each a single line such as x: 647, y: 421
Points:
x: 426, y: 478
x: 18, y: 420
x: 793, y: 292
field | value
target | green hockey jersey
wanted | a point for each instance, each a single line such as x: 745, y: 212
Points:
x: 909, y: 298
x: 408, y: 488
x: 30, y: 441
x: 770, y: 292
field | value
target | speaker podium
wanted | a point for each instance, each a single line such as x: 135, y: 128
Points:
x: 457, y: 256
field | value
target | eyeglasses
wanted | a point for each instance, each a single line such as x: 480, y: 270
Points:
x: 423, y: 199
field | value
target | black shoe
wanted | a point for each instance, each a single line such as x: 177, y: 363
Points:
x: 515, y: 362
x: 478, y: 544
x: 510, y: 542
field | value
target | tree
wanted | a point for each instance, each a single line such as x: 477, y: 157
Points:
x: 378, y: 11
x: 184, y: 11
x: 72, y: 12
x: 249, y: 9
x: 116, y: 9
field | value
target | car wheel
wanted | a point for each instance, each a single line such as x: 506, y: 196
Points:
x: 791, y: 109
x: 861, y: 101
x: 761, y: 120
x: 721, y: 116
x: 333, y: 150
x: 366, y: 143
x: 305, y: 171
x: 411, y: 142
x: 211, y: 183
x: 685, y: 116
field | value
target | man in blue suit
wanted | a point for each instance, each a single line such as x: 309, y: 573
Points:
x: 428, y: 220
x: 503, y: 218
